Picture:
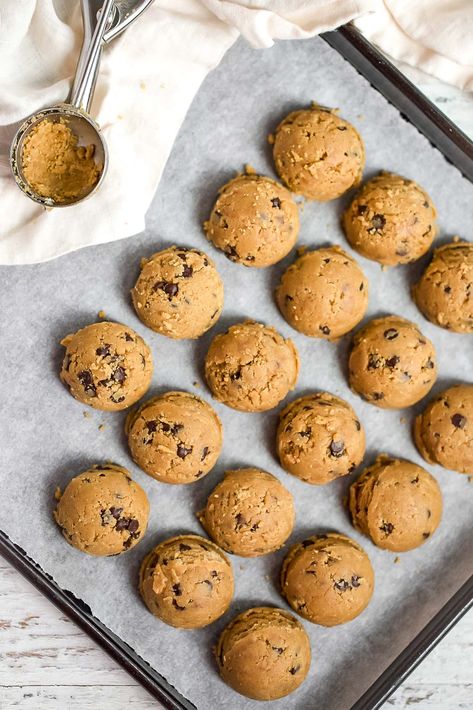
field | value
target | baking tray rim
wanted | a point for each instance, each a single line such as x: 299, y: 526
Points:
x: 458, y: 149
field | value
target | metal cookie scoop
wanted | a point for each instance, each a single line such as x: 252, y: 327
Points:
x: 88, y: 141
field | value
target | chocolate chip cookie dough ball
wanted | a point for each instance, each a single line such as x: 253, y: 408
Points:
x: 251, y: 367
x: 396, y: 503
x: 327, y: 579
x: 317, y: 154
x: 444, y: 293
x: 103, y: 511
x: 443, y: 433
x: 106, y: 365
x: 323, y: 294
x: 249, y: 513
x: 264, y: 653
x: 186, y: 581
x: 319, y: 438
x: 392, y: 220
x: 392, y: 364
x: 179, y: 293
x: 254, y: 221
x: 176, y: 437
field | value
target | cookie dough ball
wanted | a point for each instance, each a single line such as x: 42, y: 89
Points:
x: 176, y: 437
x: 186, y: 581
x: 444, y: 293
x: 249, y: 513
x: 392, y: 220
x: 264, y: 653
x: 396, y: 503
x: 102, y: 511
x: 327, y: 579
x: 317, y: 154
x: 324, y: 293
x: 319, y: 438
x: 444, y: 431
x: 106, y: 365
x: 251, y: 367
x: 392, y: 364
x: 254, y: 221
x: 179, y: 293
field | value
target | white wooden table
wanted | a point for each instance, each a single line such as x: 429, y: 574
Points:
x: 47, y: 663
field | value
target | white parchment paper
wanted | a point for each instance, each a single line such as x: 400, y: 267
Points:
x: 45, y: 438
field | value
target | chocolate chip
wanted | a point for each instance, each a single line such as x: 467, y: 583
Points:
x: 128, y: 338
x: 205, y: 453
x: 133, y: 525
x: 199, y: 474
x: 337, y: 448
x: 176, y: 605
x: 373, y: 362
x: 217, y: 213
x: 187, y: 272
x: 278, y: 649
x: 341, y: 128
x: 240, y: 520
x: 430, y: 364
x: 377, y: 396
x: 230, y: 252
x: 325, y: 329
x: 288, y: 298
x: 425, y: 535
x: 169, y: 288
x: 119, y: 375
x: 361, y: 286
x: 358, y: 425
x: 87, y: 382
x: 235, y: 375
x: 387, y: 528
x: 214, y: 573
x: 307, y: 543
x: 151, y: 426
x: 393, y: 361
x: 459, y: 421
x: 355, y: 581
x: 103, y: 351
x: 361, y: 209
x: 294, y: 670
x: 305, y: 433
x: 183, y: 547
x: 391, y: 333
x: 176, y: 589
x: 447, y: 289
x: 426, y: 204
x: 176, y: 428
x: 116, y: 512
x: 182, y: 451
x: 378, y: 221
x: 415, y: 480
x: 276, y: 202
x: 254, y: 527
x: 327, y: 261
x: 342, y: 585
x: 400, y: 251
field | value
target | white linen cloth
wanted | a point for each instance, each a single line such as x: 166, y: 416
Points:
x: 148, y: 78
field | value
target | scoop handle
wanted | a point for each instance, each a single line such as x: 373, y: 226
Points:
x: 87, y: 70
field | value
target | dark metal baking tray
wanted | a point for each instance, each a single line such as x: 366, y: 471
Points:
x: 458, y: 149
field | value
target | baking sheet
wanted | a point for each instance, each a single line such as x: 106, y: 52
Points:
x: 46, y: 439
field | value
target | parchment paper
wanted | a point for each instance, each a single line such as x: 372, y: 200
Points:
x: 46, y: 439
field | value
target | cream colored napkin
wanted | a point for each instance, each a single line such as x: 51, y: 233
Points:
x: 148, y: 78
